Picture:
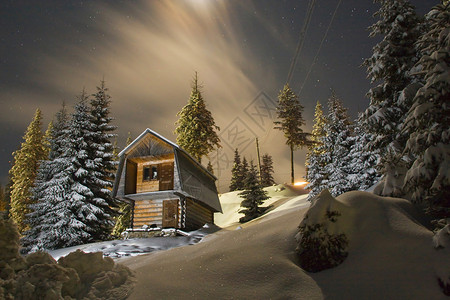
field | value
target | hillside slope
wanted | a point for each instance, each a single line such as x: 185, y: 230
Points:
x: 390, y: 257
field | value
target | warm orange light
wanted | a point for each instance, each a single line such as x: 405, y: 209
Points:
x: 298, y: 183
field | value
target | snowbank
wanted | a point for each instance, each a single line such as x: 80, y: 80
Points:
x: 231, y: 203
x: 137, y: 246
x: 390, y: 256
x: 39, y: 276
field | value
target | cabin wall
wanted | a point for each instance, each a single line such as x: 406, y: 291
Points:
x: 150, y: 212
x: 163, y: 165
x: 130, y: 177
x: 197, y: 214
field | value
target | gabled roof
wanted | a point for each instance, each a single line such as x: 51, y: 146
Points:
x: 147, y: 131
x: 195, y: 184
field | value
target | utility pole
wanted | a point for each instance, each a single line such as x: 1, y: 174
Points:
x: 259, y: 159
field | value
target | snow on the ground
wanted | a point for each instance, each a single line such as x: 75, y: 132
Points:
x: 230, y: 204
x: 280, y: 198
x: 137, y: 246
x: 390, y: 256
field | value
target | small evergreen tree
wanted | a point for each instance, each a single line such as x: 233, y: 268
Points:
x: 123, y: 220
x: 210, y: 168
x: 236, y: 175
x: 253, y: 196
x: 428, y: 120
x: 289, y: 111
x: 129, y: 139
x: 196, y: 129
x: 23, y: 172
x: 244, y: 173
x: 267, y: 171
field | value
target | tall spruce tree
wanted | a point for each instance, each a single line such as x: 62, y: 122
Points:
x: 23, y: 172
x: 362, y: 173
x: 318, y: 131
x: 328, y: 164
x: 236, y: 175
x: 427, y: 181
x: 313, y: 162
x: 47, y: 226
x: 253, y: 196
x: 289, y: 111
x: 70, y: 212
x: 267, y: 171
x: 95, y: 211
x: 391, y: 66
x: 102, y: 148
x: 196, y: 129
x: 337, y: 145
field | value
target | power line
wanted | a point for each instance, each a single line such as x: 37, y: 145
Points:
x: 320, y: 47
x: 301, y: 39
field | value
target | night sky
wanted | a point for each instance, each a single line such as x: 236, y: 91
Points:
x: 148, y: 51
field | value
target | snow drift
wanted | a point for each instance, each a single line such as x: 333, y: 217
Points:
x: 389, y: 253
x: 390, y: 256
x: 39, y: 276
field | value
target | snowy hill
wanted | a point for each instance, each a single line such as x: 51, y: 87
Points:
x: 279, y: 196
x: 391, y: 256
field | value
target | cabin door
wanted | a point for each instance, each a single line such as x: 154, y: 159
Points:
x: 166, y: 178
x: 170, y: 214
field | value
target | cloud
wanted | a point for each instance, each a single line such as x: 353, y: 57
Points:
x: 148, y: 53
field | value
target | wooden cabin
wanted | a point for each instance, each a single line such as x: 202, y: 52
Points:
x: 166, y: 187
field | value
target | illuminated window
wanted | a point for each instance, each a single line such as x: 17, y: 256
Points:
x: 150, y: 173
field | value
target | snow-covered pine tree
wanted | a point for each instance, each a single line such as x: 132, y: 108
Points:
x: 244, y: 173
x: 318, y: 128
x: 362, y: 173
x: 196, y: 129
x: 289, y: 111
x: 94, y: 212
x: 427, y: 181
x: 391, y: 64
x: 48, y: 191
x: 253, y: 196
x: 236, y: 175
x: 267, y: 171
x: 46, y: 139
x: 101, y: 152
x: 337, y: 146
x: 316, y: 160
x: 23, y: 172
x: 312, y: 160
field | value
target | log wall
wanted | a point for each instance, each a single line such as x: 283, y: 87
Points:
x: 197, y: 215
x: 150, y: 212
